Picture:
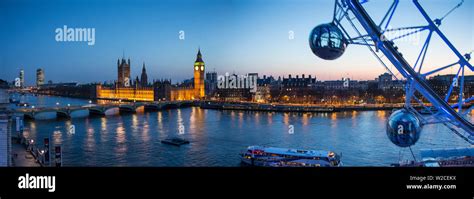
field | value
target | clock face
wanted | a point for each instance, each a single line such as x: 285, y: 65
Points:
x: 202, y: 68
x: 196, y: 68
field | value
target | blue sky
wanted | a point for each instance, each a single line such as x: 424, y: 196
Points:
x: 234, y: 35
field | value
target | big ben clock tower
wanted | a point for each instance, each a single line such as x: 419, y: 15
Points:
x: 199, y: 69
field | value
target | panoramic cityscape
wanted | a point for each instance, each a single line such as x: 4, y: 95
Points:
x: 85, y: 100
x: 118, y: 122
x: 194, y: 96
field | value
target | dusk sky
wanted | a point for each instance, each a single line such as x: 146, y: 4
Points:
x: 240, y: 36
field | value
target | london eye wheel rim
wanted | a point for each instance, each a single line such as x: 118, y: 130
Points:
x: 377, y: 42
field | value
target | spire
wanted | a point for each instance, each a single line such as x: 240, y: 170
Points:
x: 199, y: 56
x: 144, y: 77
x: 123, y: 57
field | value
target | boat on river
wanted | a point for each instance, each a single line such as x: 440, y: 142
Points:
x: 285, y: 157
x: 175, y: 141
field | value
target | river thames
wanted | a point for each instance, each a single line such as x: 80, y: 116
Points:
x: 218, y: 136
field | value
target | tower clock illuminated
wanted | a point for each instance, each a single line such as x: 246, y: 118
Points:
x: 199, y: 69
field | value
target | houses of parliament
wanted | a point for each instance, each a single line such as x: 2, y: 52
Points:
x: 139, y: 89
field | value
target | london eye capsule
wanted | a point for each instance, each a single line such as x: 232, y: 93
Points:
x: 403, y: 128
x: 327, y: 41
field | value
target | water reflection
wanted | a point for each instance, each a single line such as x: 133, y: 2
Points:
x: 120, y: 147
x: 180, y: 122
x: 381, y: 115
x: 145, y: 132
x: 160, y: 121
x: 68, y: 128
x: 269, y: 118
x: 90, y: 139
x: 217, y: 137
x: 57, y: 137
x: 135, y: 126
x: 286, y: 119
x: 305, y: 119
x: 103, y: 124
x: 333, y: 116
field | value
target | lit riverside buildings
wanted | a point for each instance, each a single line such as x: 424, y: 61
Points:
x: 194, y: 89
x: 442, y: 83
x: 140, y: 90
x: 124, y: 88
x: 292, y: 89
x: 123, y: 73
x: 188, y: 90
x: 303, y: 89
x: 242, y: 91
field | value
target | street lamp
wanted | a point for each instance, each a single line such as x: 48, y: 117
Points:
x: 57, y: 103
x: 68, y: 105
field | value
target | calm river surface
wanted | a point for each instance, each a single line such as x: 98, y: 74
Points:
x: 217, y: 137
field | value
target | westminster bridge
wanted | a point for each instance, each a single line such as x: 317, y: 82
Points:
x: 31, y: 112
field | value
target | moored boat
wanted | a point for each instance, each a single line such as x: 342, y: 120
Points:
x: 175, y: 141
x: 285, y: 157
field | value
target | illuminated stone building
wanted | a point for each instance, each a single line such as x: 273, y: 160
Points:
x: 124, y: 89
x: 126, y: 93
x: 161, y: 90
x: 199, y: 76
x: 195, y: 91
x: 123, y: 72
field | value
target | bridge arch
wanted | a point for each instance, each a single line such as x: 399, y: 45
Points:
x: 103, y: 110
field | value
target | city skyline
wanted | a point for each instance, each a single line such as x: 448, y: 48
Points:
x: 139, y: 76
x: 233, y: 86
x: 245, y: 37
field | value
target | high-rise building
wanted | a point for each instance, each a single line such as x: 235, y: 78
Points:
x: 144, y: 77
x: 22, y: 78
x: 5, y: 139
x: 5, y: 126
x: 199, y: 69
x: 123, y: 72
x: 211, y: 83
x: 39, y: 77
x: 4, y: 96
